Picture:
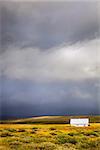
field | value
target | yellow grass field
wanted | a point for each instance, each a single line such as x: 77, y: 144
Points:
x: 49, y: 137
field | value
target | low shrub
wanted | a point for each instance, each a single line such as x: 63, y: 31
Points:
x: 62, y: 139
x: 91, y: 133
x: 90, y: 144
x: 52, y: 133
x: 5, y: 134
x: 33, y: 132
x: 45, y: 146
x: 52, y: 128
x: 35, y: 128
x: 72, y: 140
x: 21, y: 130
x: 15, y: 145
x: 73, y: 133
x: 11, y: 130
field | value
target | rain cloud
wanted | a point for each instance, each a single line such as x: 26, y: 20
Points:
x: 49, y: 58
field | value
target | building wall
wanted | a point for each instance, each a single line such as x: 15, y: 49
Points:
x: 79, y: 122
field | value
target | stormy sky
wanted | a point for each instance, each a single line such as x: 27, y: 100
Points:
x: 49, y: 58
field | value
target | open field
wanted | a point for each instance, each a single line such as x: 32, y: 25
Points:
x: 49, y: 137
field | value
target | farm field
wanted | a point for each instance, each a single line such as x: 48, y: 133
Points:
x: 49, y: 137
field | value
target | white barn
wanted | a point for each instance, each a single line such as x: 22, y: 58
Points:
x: 82, y: 122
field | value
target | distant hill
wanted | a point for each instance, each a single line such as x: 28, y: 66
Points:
x: 50, y: 120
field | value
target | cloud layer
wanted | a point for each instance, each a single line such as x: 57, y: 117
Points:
x: 49, y: 58
x: 76, y: 62
x: 26, y: 98
x: 48, y: 24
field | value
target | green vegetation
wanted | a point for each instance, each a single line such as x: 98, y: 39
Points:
x: 49, y: 137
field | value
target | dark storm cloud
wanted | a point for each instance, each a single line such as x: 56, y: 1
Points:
x: 47, y: 24
x: 50, y: 60
x: 26, y: 98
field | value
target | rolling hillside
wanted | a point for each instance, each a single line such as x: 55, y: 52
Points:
x: 51, y: 120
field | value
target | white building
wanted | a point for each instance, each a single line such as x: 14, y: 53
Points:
x: 79, y: 122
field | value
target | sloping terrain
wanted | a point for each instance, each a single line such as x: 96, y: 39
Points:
x: 51, y: 119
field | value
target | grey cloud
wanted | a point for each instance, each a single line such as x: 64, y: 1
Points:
x: 76, y: 62
x: 50, y: 60
x: 48, y: 24
x: 26, y: 98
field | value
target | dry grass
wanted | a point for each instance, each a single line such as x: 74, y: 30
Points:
x: 49, y: 137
